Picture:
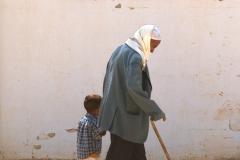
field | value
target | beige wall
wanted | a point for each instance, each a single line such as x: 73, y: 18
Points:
x: 54, y: 52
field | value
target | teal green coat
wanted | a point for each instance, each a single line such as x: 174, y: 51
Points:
x: 126, y: 105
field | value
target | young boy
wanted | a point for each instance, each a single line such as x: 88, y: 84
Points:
x: 89, y: 137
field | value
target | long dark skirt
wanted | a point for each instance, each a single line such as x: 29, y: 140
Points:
x: 121, y: 149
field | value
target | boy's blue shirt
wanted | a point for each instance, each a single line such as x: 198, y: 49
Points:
x: 88, y: 139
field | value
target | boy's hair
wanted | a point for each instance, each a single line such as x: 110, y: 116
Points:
x: 92, y: 102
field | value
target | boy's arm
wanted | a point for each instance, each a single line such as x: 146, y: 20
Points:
x: 97, y: 133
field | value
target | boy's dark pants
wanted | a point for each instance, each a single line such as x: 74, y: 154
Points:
x: 121, y: 149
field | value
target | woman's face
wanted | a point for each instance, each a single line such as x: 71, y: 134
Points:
x: 153, y: 44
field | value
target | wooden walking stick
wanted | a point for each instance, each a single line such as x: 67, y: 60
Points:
x: 160, y: 140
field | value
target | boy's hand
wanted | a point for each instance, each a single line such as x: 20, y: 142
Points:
x: 102, y: 133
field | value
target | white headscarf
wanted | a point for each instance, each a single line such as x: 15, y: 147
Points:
x: 140, y: 42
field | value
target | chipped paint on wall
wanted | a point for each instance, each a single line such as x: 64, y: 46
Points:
x: 37, y: 146
x: 45, y: 136
x: 2, y: 155
x: 72, y: 130
x: 228, y: 110
x: 234, y: 122
x: 119, y: 5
